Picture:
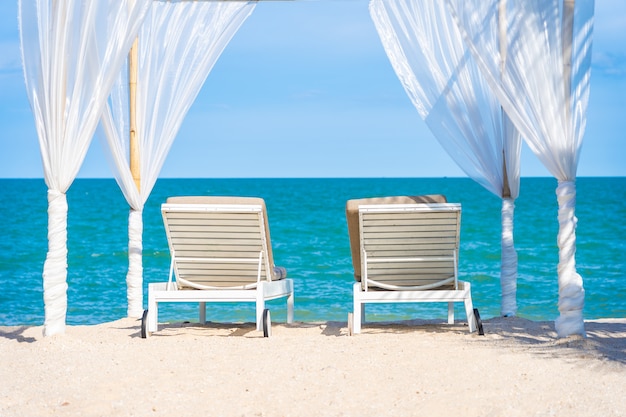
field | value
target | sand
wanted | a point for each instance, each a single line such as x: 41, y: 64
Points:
x: 518, y: 368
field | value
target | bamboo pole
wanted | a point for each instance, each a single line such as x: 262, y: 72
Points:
x: 567, y: 35
x: 135, y: 166
x: 506, y: 190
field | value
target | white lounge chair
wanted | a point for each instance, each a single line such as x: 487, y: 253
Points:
x: 405, y: 249
x: 221, y: 252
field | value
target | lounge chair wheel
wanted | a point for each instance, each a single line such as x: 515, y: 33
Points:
x: 144, y: 324
x: 267, y: 323
x: 479, y: 322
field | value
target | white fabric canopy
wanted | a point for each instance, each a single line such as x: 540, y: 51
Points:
x: 429, y: 55
x: 544, y: 88
x: 179, y: 43
x: 71, y: 53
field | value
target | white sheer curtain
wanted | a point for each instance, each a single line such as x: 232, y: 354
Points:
x: 545, y: 90
x: 428, y: 53
x: 71, y: 53
x: 179, y: 43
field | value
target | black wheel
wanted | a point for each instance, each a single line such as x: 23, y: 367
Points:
x: 267, y: 323
x: 144, y: 324
x: 479, y: 322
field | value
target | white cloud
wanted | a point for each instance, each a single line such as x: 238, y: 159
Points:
x: 609, y: 64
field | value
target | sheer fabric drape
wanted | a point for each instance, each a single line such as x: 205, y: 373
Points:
x: 428, y: 53
x: 544, y: 87
x: 71, y: 53
x: 179, y: 43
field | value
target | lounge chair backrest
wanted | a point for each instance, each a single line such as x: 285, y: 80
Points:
x: 352, y: 216
x: 409, y: 246
x: 218, y: 242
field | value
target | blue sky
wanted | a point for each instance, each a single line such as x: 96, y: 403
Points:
x: 305, y: 90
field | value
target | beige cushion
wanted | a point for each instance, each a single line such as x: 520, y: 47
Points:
x: 352, y: 215
x: 278, y: 272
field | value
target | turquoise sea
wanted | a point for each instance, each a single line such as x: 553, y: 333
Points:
x: 310, y: 239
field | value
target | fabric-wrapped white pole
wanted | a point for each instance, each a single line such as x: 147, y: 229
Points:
x: 438, y: 73
x: 571, y: 291
x: 509, y: 260
x: 544, y: 89
x: 55, y: 266
x: 508, y: 268
x: 179, y: 43
x: 72, y: 51
x: 134, y: 286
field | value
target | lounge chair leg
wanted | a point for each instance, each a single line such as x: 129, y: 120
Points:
x: 450, y: 313
x: 363, y: 318
x: 470, y: 313
x: 260, y: 306
x: 153, y: 311
x: 350, y: 324
x: 290, y: 302
x: 358, y: 309
x: 153, y: 318
x: 356, y: 321
x: 202, y: 312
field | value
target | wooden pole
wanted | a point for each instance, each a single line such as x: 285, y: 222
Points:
x: 567, y: 36
x: 506, y: 190
x: 135, y: 165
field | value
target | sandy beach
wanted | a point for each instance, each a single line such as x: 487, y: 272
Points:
x: 518, y: 368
